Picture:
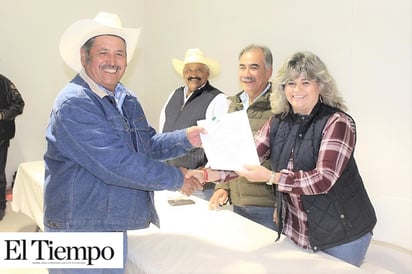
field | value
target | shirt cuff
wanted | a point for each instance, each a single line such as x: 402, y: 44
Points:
x: 286, y: 180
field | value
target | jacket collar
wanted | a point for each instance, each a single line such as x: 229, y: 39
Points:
x: 92, y: 84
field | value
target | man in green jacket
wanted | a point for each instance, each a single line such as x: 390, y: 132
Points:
x: 253, y: 200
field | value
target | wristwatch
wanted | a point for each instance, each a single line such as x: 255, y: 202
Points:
x: 271, y: 179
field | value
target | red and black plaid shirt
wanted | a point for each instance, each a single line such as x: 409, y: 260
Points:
x: 337, y: 145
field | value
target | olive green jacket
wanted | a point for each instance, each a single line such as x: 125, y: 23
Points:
x: 241, y: 191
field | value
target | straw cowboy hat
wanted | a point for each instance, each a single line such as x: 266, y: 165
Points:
x: 81, y: 31
x: 196, y: 56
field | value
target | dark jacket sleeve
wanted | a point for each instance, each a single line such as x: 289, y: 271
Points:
x: 15, y: 102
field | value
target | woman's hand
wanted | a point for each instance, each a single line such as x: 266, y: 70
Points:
x: 196, y: 173
x: 255, y: 173
x: 212, y: 175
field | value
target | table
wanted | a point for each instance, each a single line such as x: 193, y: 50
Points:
x: 193, y: 239
x: 28, y: 191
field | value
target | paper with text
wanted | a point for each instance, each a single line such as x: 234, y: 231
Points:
x: 229, y: 142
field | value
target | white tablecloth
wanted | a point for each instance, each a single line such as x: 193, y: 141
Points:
x: 28, y: 191
x: 193, y: 239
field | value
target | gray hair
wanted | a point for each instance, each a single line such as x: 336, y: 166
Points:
x: 314, y: 69
x: 87, y: 46
x: 268, y: 58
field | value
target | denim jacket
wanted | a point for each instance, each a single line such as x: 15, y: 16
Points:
x: 101, y: 166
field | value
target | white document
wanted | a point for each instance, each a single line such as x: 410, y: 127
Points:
x: 229, y: 142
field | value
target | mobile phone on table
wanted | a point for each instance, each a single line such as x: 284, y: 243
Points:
x: 178, y: 202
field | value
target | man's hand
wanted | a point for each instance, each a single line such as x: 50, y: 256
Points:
x: 190, y: 183
x: 275, y: 217
x: 219, y: 198
x: 193, y: 135
x: 199, y: 174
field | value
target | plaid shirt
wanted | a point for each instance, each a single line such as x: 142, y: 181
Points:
x: 336, y: 147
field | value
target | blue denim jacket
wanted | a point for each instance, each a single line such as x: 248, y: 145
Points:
x: 101, y: 166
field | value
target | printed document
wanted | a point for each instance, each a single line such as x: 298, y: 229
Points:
x: 229, y: 142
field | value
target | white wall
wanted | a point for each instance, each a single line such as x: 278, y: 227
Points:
x: 365, y: 43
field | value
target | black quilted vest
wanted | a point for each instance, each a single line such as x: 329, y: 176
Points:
x: 179, y: 115
x: 343, y: 214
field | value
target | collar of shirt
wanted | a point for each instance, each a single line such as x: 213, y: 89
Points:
x: 119, y: 95
x: 245, y: 98
x: 186, y: 88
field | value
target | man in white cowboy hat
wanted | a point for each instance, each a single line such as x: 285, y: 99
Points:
x: 102, y: 159
x: 196, y: 100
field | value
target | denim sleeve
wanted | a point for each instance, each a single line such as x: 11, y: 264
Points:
x: 170, y: 145
x: 80, y: 133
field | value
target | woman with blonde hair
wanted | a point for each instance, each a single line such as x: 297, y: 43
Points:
x: 323, y: 204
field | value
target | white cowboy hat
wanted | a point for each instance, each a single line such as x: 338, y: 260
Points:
x: 196, y: 56
x: 81, y: 31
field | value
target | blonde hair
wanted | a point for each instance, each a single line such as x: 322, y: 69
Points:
x: 312, y: 68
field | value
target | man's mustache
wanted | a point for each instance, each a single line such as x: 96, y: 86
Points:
x: 193, y: 78
x: 107, y: 66
x: 247, y: 79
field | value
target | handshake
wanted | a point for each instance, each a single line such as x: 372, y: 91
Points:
x: 194, y: 179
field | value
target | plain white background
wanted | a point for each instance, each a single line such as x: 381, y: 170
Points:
x: 366, y: 45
